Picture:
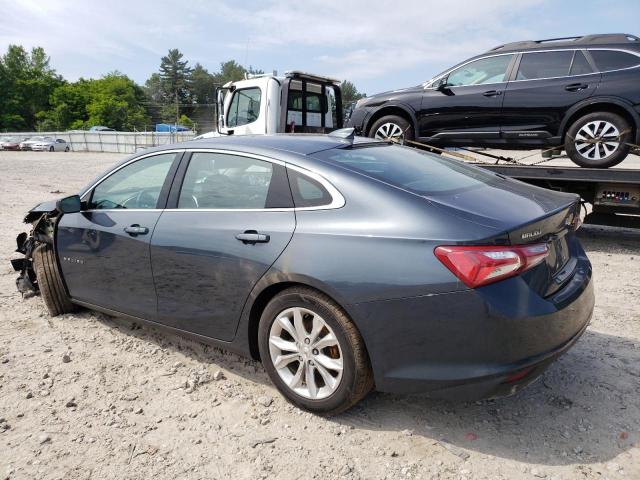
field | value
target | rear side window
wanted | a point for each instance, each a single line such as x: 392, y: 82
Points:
x: 306, y: 191
x: 222, y: 181
x: 418, y: 172
x: 544, y: 65
x: 613, y: 60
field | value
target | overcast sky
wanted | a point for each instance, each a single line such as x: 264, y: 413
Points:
x: 377, y: 45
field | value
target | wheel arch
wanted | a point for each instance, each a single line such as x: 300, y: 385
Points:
x: 398, y: 109
x: 263, y: 294
x: 606, y: 104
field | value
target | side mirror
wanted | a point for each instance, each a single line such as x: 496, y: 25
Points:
x: 442, y: 85
x: 70, y: 204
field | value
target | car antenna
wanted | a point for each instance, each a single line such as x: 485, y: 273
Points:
x: 344, y: 133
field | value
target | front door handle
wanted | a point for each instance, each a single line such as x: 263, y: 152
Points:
x: 135, y: 230
x: 492, y: 93
x: 251, y: 237
x: 576, y: 87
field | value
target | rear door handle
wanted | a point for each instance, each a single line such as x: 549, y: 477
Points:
x: 576, y: 87
x: 136, y: 229
x: 492, y: 93
x: 251, y: 237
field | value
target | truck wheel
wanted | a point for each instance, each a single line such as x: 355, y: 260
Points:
x: 313, y: 353
x: 392, y: 127
x: 50, y: 282
x: 598, y: 140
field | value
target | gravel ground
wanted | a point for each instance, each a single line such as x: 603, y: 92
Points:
x: 88, y: 396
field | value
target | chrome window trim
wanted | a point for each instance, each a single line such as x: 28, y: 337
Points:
x: 337, y: 199
x: 427, y: 84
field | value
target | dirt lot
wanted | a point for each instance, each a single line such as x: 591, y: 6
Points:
x: 87, y: 396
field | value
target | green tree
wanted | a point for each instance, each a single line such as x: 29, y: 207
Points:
x: 350, y: 93
x: 230, y: 71
x: 114, y: 101
x: 27, y: 81
x: 203, y: 85
x: 176, y: 78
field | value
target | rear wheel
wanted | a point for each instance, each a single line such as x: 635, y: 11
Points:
x: 313, y: 353
x: 598, y: 140
x: 50, y: 282
x: 393, y: 128
x: 66, y: 149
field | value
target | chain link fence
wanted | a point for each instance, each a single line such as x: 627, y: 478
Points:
x: 114, y: 142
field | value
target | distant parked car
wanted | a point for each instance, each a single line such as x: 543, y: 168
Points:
x: 28, y: 143
x: 101, y: 128
x: 10, y: 143
x: 51, y: 145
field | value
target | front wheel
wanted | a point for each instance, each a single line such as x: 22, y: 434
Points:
x: 50, y: 281
x: 598, y: 140
x: 392, y: 128
x: 51, y: 149
x: 313, y: 353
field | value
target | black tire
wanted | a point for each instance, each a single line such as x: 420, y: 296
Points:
x: 357, y: 377
x: 618, y: 155
x: 50, y: 282
x: 403, y: 124
x: 51, y: 149
x: 66, y: 149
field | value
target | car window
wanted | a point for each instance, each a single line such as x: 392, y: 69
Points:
x: 409, y: 169
x: 306, y: 191
x: 544, y: 65
x: 580, y: 65
x: 224, y: 181
x: 245, y: 107
x: 613, y: 60
x: 485, y: 70
x: 137, y: 185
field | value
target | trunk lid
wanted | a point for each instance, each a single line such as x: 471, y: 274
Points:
x: 522, y: 214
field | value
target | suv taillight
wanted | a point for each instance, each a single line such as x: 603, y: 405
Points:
x: 480, y: 265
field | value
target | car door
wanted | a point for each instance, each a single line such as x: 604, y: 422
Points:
x: 545, y: 85
x: 230, y: 219
x: 104, y: 249
x: 466, y: 103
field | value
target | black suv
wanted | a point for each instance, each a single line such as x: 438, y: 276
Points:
x: 580, y: 93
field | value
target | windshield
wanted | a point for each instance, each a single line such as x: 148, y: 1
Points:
x: 418, y: 172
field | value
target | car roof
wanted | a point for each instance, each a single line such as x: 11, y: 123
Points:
x: 617, y: 40
x: 301, y: 144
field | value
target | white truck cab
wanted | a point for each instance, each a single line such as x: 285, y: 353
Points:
x: 297, y: 102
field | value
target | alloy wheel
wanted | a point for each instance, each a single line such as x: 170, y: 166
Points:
x: 390, y: 131
x: 306, y: 353
x: 597, y: 140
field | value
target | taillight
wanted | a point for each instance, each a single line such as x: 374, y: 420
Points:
x: 480, y: 265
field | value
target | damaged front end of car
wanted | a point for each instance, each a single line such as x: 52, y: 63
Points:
x: 43, y: 219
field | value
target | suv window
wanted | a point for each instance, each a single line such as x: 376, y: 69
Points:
x: 245, y: 107
x: 137, y: 185
x: 613, y: 60
x: 307, y: 192
x: 478, y: 72
x: 225, y: 181
x: 580, y: 65
x: 544, y: 65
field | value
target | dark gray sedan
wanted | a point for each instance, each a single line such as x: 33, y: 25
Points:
x: 343, y: 264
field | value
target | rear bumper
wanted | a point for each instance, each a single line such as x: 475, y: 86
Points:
x: 466, y: 345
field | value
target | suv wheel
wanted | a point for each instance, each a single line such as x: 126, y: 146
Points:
x: 313, y: 353
x: 392, y: 127
x: 598, y: 140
